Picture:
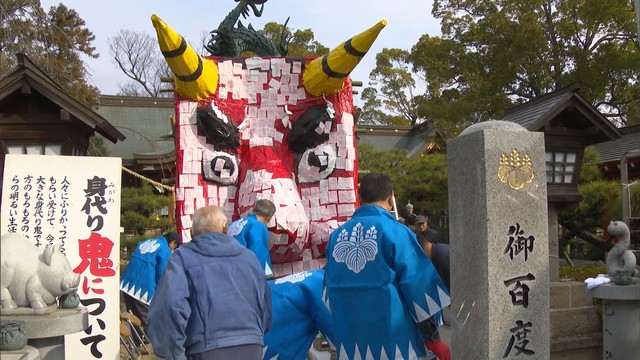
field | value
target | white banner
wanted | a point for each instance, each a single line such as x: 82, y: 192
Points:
x: 73, y: 202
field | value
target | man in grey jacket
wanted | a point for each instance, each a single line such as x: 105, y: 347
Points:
x: 213, y: 301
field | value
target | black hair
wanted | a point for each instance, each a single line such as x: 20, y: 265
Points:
x: 222, y: 133
x: 171, y: 236
x: 375, y: 187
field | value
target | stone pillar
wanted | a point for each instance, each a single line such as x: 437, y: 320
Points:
x: 499, y: 243
x: 554, y: 244
x: 620, y: 320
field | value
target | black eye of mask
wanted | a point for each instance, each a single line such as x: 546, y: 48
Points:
x: 220, y: 133
x: 303, y: 134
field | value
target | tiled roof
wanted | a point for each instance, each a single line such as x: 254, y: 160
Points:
x: 567, y: 105
x: 613, y: 150
x: 393, y: 137
x: 145, y: 121
x: 531, y: 116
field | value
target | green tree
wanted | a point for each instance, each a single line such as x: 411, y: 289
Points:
x: 138, y: 206
x: 137, y: 222
x: 600, y: 204
x: 450, y: 102
x: 494, y: 54
x: 372, y: 160
x: 54, y: 40
x: 302, y: 42
x: 97, y: 146
x: 370, y: 113
x: 421, y: 180
x: 392, y: 92
x: 590, y: 170
x: 592, y: 214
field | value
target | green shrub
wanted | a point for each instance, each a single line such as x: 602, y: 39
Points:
x: 129, y: 242
x: 581, y: 272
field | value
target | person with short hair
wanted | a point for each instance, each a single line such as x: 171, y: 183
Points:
x: 141, y: 276
x: 383, y: 292
x: 424, y: 232
x: 251, y: 232
x: 213, y: 301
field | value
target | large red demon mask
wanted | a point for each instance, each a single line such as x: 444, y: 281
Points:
x: 252, y: 128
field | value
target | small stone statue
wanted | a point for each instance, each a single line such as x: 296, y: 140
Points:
x: 69, y: 301
x: 409, y: 207
x: 33, y: 278
x: 619, y: 259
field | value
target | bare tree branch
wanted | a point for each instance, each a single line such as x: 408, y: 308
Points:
x: 138, y: 56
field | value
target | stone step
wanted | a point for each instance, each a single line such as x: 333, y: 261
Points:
x: 583, y: 341
x: 574, y: 321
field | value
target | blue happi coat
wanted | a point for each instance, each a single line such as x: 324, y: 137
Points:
x: 145, y: 267
x: 378, y: 284
x: 253, y: 234
x: 298, y: 315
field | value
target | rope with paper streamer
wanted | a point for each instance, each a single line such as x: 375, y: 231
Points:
x: 150, y: 181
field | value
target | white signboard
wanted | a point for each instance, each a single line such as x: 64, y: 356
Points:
x: 73, y: 202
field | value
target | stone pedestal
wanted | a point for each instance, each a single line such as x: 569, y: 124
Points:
x: 499, y: 243
x: 46, y: 332
x: 26, y: 353
x: 621, y: 319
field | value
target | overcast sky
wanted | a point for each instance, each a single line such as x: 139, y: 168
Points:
x: 332, y: 21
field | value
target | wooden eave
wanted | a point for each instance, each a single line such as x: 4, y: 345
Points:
x: 27, y: 77
x: 155, y: 158
x: 391, y: 130
x: 136, y: 101
x: 537, y: 114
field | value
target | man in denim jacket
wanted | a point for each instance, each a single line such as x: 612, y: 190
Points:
x: 213, y: 301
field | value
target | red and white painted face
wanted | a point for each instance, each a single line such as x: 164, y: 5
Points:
x: 314, y: 188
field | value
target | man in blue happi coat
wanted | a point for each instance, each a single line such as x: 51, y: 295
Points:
x: 142, y: 274
x: 251, y: 232
x: 298, y: 315
x: 384, y: 294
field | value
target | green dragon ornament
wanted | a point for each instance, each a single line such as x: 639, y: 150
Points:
x: 231, y: 41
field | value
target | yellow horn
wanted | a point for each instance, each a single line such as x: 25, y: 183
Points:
x: 195, y: 77
x: 325, y: 75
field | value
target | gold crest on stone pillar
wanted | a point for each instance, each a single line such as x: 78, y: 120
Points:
x: 514, y: 170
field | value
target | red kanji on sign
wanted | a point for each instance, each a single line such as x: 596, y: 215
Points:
x: 95, y: 252
x: 85, y: 286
